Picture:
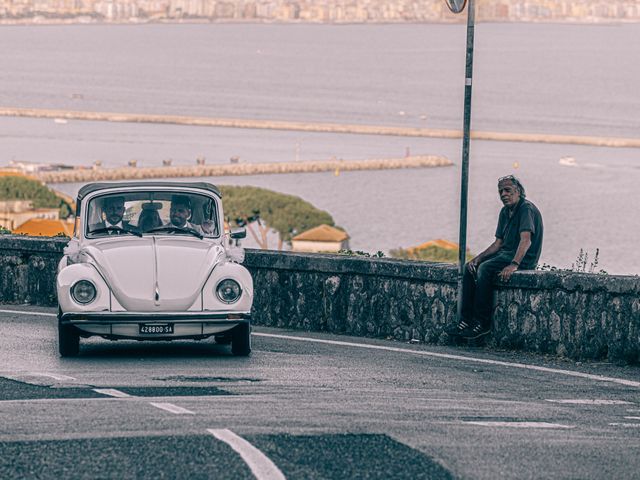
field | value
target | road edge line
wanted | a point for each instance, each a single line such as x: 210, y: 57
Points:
x: 19, y: 312
x: 448, y: 356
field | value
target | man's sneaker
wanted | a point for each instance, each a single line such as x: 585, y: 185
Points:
x: 474, y: 332
x: 458, y: 329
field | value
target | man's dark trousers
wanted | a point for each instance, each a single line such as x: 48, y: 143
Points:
x: 477, y: 292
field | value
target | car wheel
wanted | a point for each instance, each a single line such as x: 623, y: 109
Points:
x: 241, y: 340
x: 68, y: 341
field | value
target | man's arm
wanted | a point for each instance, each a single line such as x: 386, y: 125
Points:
x: 472, y: 266
x: 523, y: 246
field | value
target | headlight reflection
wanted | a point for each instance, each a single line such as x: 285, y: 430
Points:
x: 83, y: 292
x: 228, y: 290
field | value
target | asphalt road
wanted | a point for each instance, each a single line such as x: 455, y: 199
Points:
x: 306, y: 406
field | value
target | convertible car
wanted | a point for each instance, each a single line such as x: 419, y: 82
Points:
x: 152, y: 261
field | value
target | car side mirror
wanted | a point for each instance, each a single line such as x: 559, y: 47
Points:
x: 237, y: 233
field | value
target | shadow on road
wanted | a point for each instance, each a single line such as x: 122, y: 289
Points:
x: 124, y: 349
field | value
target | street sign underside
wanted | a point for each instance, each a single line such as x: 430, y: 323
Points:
x: 456, y: 6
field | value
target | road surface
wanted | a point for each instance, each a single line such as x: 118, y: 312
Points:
x: 305, y: 406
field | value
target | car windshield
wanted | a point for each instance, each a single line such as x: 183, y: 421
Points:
x: 152, y: 213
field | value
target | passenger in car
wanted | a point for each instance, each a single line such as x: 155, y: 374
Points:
x: 180, y: 213
x: 149, y: 217
x: 113, y: 210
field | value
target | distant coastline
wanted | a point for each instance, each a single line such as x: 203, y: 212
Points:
x: 330, y: 12
x: 38, y: 21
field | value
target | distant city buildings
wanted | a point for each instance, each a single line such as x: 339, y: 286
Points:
x: 319, y: 11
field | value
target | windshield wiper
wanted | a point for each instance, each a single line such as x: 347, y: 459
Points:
x: 174, y: 229
x: 116, y: 229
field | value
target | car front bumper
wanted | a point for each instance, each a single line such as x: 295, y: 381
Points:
x: 114, y: 325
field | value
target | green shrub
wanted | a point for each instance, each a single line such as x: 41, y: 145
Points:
x: 22, y: 188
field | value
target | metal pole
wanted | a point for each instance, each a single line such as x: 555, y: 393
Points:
x: 466, y: 133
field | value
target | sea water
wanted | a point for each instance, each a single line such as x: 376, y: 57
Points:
x: 529, y: 78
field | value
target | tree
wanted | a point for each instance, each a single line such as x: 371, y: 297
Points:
x: 261, y: 210
x: 23, y: 188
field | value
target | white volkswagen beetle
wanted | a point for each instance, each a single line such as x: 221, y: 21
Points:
x: 151, y: 261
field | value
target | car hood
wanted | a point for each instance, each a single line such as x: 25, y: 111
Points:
x: 155, y: 273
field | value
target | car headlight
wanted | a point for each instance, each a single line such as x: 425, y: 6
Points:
x: 83, y: 292
x: 228, y: 290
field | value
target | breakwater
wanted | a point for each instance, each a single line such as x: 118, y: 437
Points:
x: 319, y: 127
x: 80, y: 175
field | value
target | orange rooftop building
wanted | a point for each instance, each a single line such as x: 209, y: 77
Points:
x: 445, y: 244
x: 322, y: 238
x: 45, y: 227
x: 14, y: 213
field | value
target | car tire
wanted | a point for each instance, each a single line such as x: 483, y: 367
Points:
x: 241, y: 340
x: 68, y: 341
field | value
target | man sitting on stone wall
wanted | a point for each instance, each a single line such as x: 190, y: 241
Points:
x: 517, y: 245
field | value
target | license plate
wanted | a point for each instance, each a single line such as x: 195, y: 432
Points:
x: 156, y: 328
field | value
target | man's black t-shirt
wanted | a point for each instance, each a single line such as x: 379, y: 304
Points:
x: 526, y: 218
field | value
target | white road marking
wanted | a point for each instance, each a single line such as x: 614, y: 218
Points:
x: 586, y: 401
x: 520, y: 424
x: 55, y: 376
x: 261, y: 466
x: 626, y: 425
x: 170, y: 407
x: 40, y: 314
x: 112, y: 392
x: 632, y: 418
x: 570, y: 373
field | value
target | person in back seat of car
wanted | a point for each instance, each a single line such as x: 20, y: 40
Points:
x: 149, y: 217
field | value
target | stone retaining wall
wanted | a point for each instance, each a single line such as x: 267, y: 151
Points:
x: 28, y: 268
x: 580, y: 316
